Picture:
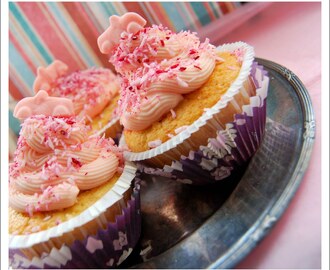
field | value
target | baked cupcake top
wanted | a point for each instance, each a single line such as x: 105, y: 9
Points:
x: 90, y: 90
x: 157, y: 67
x: 55, y: 158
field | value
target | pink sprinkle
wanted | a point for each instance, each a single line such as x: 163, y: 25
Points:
x: 170, y: 135
x: 47, y: 218
x: 232, y: 68
x: 180, y: 129
x: 35, y: 229
x: 173, y: 114
x: 58, y: 221
x: 155, y: 143
x: 120, y: 169
x: 239, y: 53
x: 218, y: 58
x: 76, y: 162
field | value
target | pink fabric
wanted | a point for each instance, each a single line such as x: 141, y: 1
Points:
x: 290, y: 34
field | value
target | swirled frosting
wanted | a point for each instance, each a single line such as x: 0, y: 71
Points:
x: 54, y: 160
x: 158, y: 66
x: 90, y: 90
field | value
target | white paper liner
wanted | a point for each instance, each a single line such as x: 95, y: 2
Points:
x: 234, y: 89
x: 112, y: 129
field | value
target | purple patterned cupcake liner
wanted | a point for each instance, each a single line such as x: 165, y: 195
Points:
x: 230, y: 149
x: 108, y: 248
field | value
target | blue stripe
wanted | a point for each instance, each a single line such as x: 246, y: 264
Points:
x: 20, y: 66
x: 200, y: 10
x: 109, y: 9
x: 214, y: 10
x: 27, y: 49
x: 92, y: 17
x: 29, y: 32
x: 14, y: 124
x: 70, y: 33
x: 147, y: 13
x: 100, y: 14
x: 174, y: 15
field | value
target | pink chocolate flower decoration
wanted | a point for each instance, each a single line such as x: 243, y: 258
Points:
x: 47, y: 75
x: 41, y: 103
x: 130, y: 22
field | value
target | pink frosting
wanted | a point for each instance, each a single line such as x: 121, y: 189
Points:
x: 157, y: 68
x: 54, y: 160
x: 90, y: 90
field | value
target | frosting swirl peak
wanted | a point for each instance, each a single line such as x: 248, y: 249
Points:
x: 55, y: 159
x: 157, y: 66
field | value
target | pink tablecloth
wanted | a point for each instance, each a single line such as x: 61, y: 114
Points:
x: 290, y: 34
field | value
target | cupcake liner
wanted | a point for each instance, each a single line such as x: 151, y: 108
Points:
x: 237, y: 95
x: 113, y: 129
x: 232, y: 146
x: 109, y: 246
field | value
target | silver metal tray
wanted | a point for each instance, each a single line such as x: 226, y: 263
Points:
x: 216, y: 226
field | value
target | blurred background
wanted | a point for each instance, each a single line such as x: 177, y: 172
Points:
x: 41, y: 32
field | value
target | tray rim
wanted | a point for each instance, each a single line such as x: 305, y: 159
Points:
x: 281, y: 204
x: 271, y: 215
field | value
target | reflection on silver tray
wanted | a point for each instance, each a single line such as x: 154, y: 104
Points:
x: 216, y: 226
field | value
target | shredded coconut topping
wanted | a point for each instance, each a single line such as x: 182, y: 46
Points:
x: 54, y: 159
x: 86, y: 88
x: 155, y: 54
x: 154, y: 143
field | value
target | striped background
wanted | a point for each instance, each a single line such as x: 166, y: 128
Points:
x: 41, y: 32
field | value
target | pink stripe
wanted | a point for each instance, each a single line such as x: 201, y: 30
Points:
x: 13, y: 90
x: 51, y: 34
x: 20, y: 84
x: 159, y: 11
x: 62, y: 37
x: 209, y: 11
x: 83, y: 14
x: 22, y: 52
x: 196, y: 21
x: 182, y: 14
x: 87, y: 29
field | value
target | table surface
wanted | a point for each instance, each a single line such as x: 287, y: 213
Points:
x: 290, y: 34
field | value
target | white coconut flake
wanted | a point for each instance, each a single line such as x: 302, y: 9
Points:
x: 154, y: 143
x: 180, y: 129
x: 232, y: 67
x: 173, y: 114
x: 47, y: 218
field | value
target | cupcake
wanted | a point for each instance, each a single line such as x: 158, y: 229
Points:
x: 73, y: 201
x: 94, y: 93
x: 190, y: 111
